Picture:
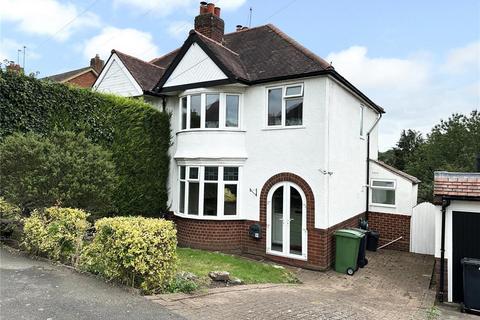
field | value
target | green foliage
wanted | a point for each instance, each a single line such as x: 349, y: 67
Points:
x: 56, y: 233
x: 179, y: 284
x: 63, y: 169
x: 9, y: 218
x: 136, y: 251
x: 399, y: 156
x: 137, y: 135
x: 452, y: 145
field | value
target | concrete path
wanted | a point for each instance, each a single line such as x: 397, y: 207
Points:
x: 394, y: 285
x: 31, y: 289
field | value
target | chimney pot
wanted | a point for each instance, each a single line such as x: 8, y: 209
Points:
x: 211, y: 7
x: 238, y: 27
x: 216, y: 11
x: 203, y: 7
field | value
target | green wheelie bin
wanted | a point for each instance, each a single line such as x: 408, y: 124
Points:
x: 347, y: 246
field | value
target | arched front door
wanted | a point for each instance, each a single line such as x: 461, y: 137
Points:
x: 287, y: 221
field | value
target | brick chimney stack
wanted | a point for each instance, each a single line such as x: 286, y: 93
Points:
x: 96, y: 63
x: 14, y: 67
x: 209, y: 23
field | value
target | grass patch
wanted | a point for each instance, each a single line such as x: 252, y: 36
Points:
x: 201, y: 262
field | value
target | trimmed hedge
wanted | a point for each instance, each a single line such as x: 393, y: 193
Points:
x: 56, y: 233
x: 137, y: 135
x: 137, y: 251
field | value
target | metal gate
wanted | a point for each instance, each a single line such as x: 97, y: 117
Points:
x: 422, y: 229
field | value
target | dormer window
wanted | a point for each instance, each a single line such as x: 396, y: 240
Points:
x: 210, y: 111
x: 285, y: 106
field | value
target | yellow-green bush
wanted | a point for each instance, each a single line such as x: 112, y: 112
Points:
x: 56, y: 233
x: 10, y: 216
x: 140, y: 252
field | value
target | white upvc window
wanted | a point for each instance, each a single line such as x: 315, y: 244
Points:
x: 361, y: 116
x: 210, y: 110
x: 285, y: 106
x: 209, y: 191
x: 383, y: 192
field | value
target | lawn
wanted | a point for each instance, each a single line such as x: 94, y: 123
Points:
x: 201, y: 262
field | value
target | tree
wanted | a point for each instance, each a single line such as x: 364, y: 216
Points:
x: 409, y: 142
x: 63, y: 169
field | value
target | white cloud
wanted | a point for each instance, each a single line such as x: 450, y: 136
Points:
x: 131, y: 41
x: 463, y: 59
x: 367, y: 72
x: 47, y: 17
x: 179, y: 29
x: 166, y: 7
x: 414, y: 93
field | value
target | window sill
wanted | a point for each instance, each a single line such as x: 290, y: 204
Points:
x: 210, y: 130
x: 213, y: 218
x: 283, y: 128
x: 383, y: 205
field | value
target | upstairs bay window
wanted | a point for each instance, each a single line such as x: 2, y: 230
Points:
x: 285, y: 106
x: 209, y: 191
x: 210, y: 111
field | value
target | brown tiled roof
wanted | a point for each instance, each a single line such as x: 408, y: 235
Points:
x: 460, y: 184
x: 61, y: 77
x: 145, y: 73
x: 259, y: 54
x: 413, y: 179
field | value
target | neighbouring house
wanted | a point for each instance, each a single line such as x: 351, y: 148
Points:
x: 273, y: 150
x: 83, y: 77
x: 457, y: 228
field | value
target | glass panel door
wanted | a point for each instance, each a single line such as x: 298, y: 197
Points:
x: 296, y: 221
x: 277, y: 220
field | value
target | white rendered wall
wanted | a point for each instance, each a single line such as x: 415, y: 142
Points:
x: 195, y: 66
x: 405, y: 192
x: 347, y: 154
x: 465, y: 206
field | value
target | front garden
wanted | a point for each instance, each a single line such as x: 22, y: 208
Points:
x: 84, y: 182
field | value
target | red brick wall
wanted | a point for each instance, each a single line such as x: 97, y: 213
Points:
x: 225, y: 235
x: 85, y: 80
x: 233, y: 235
x: 391, y: 227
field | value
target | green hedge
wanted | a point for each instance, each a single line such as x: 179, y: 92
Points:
x: 140, y: 252
x: 137, y: 134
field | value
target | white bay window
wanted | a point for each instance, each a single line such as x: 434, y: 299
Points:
x: 211, y: 110
x: 208, y: 191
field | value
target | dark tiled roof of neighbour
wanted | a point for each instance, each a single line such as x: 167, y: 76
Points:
x: 460, y: 184
x: 69, y: 74
x: 413, y: 179
x: 145, y: 73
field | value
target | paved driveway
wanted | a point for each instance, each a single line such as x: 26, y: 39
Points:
x: 31, y: 289
x: 394, y: 285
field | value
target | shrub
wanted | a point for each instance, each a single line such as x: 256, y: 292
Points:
x: 140, y: 252
x: 137, y: 135
x: 56, y: 233
x: 64, y: 169
x: 9, y: 219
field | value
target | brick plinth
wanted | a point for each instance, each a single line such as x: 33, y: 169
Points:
x: 391, y: 227
x: 231, y: 235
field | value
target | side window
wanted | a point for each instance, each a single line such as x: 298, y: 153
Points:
x: 362, y: 111
x: 195, y: 111
x: 383, y: 192
x: 183, y: 112
x: 232, y: 106
x: 285, y: 106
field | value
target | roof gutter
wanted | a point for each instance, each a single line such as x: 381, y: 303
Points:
x: 367, y: 185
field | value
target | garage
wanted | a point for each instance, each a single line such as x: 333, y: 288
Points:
x: 466, y: 240
x: 457, y: 230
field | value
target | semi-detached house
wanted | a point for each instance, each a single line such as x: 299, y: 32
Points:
x: 273, y: 150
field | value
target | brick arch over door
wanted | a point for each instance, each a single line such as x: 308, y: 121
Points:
x: 312, y: 239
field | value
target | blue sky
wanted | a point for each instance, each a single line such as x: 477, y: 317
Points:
x: 418, y: 59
